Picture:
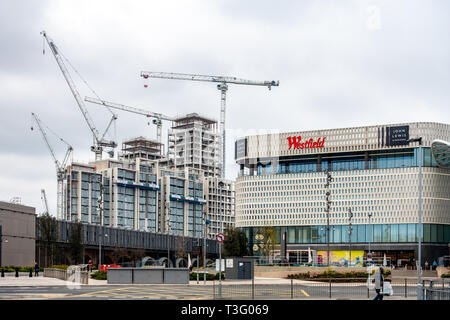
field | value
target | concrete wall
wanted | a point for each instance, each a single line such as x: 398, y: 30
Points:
x: 148, y: 275
x: 18, y: 228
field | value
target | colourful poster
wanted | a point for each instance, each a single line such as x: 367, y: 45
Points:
x: 341, y: 257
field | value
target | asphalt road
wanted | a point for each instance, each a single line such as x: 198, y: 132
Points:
x: 199, y: 292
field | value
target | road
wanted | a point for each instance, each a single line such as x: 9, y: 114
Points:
x: 200, y: 292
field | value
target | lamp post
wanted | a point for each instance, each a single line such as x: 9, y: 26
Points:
x: 350, y: 236
x: 168, y: 235
x: 419, y: 249
x: 369, y: 254
x: 327, y: 186
x: 100, y: 236
x: 204, y: 248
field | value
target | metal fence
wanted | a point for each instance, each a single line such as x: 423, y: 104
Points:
x: 436, y: 289
x: 339, y: 288
x: 72, y: 274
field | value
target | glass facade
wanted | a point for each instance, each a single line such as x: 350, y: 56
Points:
x: 176, y: 215
x: 374, y: 233
x: 382, y: 159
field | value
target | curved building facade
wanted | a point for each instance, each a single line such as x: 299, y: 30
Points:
x: 374, y: 170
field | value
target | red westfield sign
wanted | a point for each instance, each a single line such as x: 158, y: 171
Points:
x: 297, y: 143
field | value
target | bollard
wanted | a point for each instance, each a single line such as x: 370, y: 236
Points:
x: 17, y: 273
x: 31, y: 274
x: 292, y: 288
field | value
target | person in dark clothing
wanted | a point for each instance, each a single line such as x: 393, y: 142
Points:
x: 379, y: 284
x: 36, y: 269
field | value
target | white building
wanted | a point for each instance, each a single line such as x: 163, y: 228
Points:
x: 375, y: 175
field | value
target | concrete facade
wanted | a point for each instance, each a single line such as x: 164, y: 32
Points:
x: 17, y: 234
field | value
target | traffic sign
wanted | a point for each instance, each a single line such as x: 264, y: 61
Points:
x: 220, y: 237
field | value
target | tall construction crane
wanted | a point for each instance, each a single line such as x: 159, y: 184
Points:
x: 158, y: 117
x: 222, y: 86
x: 60, y: 166
x: 44, y: 199
x: 98, y: 141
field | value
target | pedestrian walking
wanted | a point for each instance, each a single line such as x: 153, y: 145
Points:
x: 434, y: 265
x: 379, y: 284
x: 36, y: 269
x: 426, y: 265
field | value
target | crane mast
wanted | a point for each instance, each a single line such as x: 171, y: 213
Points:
x: 98, y: 143
x: 44, y: 199
x: 60, y: 168
x: 222, y: 86
x: 157, y: 116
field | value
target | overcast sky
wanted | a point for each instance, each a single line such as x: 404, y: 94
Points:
x: 339, y: 63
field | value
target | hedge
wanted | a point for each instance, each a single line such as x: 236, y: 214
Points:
x: 445, y: 275
x: 99, y: 275
x: 332, y: 274
x: 209, y: 276
x: 19, y: 269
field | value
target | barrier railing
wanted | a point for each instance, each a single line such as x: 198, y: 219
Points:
x: 338, y: 288
x: 71, y: 274
x: 438, y: 289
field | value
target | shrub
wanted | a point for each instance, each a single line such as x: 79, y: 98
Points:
x: 209, y: 276
x: 99, y: 275
x: 60, y: 266
x: 445, y: 275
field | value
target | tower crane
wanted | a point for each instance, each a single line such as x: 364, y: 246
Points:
x: 44, y: 199
x: 157, y: 116
x: 98, y: 141
x: 60, y: 167
x: 222, y: 86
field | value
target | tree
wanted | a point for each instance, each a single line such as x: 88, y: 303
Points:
x: 136, y: 254
x: 236, y: 243
x: 76, y: 245
x: 47, y: 226
x: 180, y: 245
x: 269, y: 240
x: 117, y: 254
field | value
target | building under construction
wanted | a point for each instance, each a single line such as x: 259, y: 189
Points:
x: 180, y: 194
x: 195, y: 143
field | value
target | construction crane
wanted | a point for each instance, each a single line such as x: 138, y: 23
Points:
x: 222, y: 86
x: 98, y: 141
x: 44, y: 199
x: 60, y: 166
x: 158, y: 117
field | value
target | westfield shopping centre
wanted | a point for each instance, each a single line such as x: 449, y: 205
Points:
x: 359, y: 185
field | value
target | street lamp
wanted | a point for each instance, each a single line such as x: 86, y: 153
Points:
x: 100, y: 236
x: 369, y: 254
x: 419, y: 249
x: 204, y: 248
x: 350, y: 235
x: 327, y: 186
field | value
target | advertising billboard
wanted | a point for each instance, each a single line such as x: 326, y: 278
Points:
x: 240, y: 148
x: 397, y: 136
x: 341, y: 257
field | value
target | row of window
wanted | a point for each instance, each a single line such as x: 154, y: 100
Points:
x: 373, y: 233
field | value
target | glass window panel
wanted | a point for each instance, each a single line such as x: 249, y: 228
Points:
x: 426, y: 233
x: 394, y: 232
x: 433, y: 233
x: 377, y: 230
x: 291, y: 235
x: 386, y: 233
x: 440, y: 233
x: 402, y: 233
x: 411, y: 233
x: 361, y: 233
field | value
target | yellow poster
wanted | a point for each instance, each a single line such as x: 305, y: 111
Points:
x: 341, y: 257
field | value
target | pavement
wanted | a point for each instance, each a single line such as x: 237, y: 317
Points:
x: 266, y: 288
